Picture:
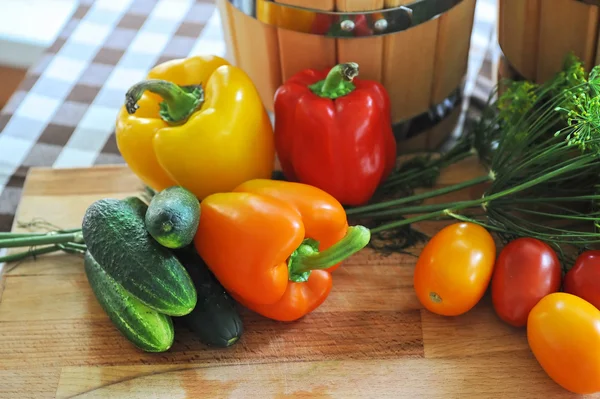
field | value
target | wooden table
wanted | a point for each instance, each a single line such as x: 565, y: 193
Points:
x: 371, y: 338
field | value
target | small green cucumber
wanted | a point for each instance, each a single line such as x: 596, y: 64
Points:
x: 115, y: 234
x: 146, y: 328
x: 173, y: 216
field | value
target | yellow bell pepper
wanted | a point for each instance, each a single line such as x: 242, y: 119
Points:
x: 196, y: 122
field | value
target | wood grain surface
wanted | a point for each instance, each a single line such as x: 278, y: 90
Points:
x: 532, y: 39
x: 370, y: 339
x: 408, y: 67
x: 518, y: 34
x: 581, y: 39
x: 300, y: 51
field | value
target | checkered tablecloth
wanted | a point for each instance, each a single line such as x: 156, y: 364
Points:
x: 63, y: 113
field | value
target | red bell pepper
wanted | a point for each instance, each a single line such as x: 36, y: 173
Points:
x: 334, y: 132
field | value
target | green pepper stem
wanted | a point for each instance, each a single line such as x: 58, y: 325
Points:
x: 338, y: 82
x: 179, y: 102
x: 307, y: 258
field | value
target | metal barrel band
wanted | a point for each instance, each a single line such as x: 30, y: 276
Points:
x: 436, y: 114
x: 339, y: 24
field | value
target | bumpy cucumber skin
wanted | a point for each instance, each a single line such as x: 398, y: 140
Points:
x: 139, y: 207
x: 147, y: 329
x: 116, y: 236
x: 173, y: 217
x: 215, y: 319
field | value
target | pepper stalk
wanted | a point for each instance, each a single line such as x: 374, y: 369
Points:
x: 307, y: 256
x: 179, y: 102
x: 338, y: 82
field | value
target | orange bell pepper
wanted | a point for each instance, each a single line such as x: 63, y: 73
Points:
x: 273, y: 244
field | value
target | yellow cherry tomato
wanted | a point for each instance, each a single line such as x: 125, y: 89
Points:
x: 455, y: 268
x: 563, y: 332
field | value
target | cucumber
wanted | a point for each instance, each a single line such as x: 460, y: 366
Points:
x: 215, y: 319
x: 173, y: 217
x: 116, y: 236
x: 140, y: 208
x: 147, y: 329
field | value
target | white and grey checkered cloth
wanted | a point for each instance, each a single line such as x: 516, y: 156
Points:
x: 63, y: 114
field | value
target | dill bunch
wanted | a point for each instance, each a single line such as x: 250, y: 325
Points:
x: 541, y: 147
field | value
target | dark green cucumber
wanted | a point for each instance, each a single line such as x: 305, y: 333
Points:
x: 146, y: 328
x: 215, y: 319
x: 173, y: 216
x: 116, y: 236
x: 138, y: 206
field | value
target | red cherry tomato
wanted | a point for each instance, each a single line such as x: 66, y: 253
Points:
x: 526, y: 271
x: 583, y: 279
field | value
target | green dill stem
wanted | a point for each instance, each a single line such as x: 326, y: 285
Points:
x: 404, y: 177
x: 418, y: 197
x: 405, y: 222
x: 509, y: 149
x: 540, y: 179
x: 558, y: 237
x: 441, y: 163
x: 71, y: 247
x: 467, y: 219
x: 22, y: 255
x: 412, y: 209
x: 553, y: 215
x: 409, y: 178
x: 551, y: 199
x: 451, y: 205
x: 480, y: 201
x: 74, y: 230
x: 5, y: 235
x: 40, y: 240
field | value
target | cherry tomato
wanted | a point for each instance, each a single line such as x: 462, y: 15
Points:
x: 583, y: 279
x: 454, y: 269
x: 563, y: 332
x: 526, y: 271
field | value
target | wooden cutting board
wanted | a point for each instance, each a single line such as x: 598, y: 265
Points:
x: 371, y: 338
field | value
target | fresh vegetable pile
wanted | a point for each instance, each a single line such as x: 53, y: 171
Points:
x: 178, y: 257
x: 219, y: 232
x: 142, y: 284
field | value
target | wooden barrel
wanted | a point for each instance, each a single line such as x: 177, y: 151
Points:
x: 536, y: 35
x: 419, y: 53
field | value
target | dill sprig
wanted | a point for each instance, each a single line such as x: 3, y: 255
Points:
x: 541, y: 145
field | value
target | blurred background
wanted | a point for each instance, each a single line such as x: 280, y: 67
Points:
x: 65, y: 66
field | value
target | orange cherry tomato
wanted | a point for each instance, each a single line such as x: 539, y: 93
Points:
x: 563, y: 332
x: 455, y: 268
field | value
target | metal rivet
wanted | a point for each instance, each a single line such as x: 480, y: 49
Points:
x: 381, y: 25
x: 347, y: 25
